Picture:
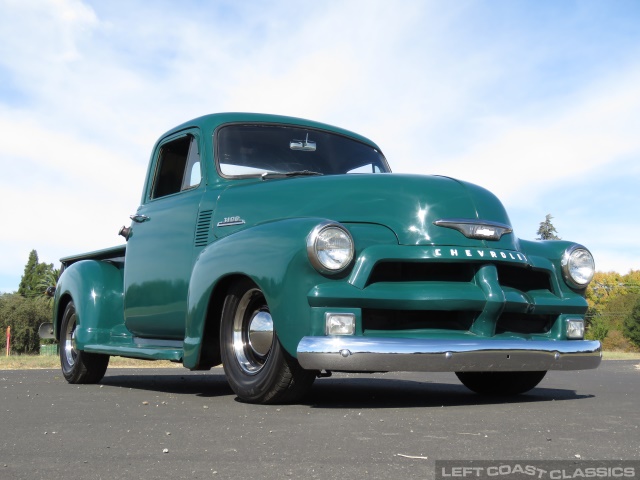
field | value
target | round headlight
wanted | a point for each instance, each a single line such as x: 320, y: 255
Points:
x: 330, y: 248
x: 578, y: 267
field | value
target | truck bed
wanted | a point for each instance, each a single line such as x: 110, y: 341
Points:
x: 115, y: 254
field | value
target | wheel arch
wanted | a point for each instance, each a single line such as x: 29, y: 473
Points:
x: 96, y: 288
x: 59, y: 312
x: 209, y: 355
x: 274, y: 257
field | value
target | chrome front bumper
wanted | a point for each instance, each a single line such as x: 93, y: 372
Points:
x: 371, y: 354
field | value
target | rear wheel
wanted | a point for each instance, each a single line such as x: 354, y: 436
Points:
x: 78, y: 366
x: 258, y: 369
x: 500, y: 383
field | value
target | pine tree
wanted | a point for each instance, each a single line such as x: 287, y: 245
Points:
x: 34, y: 274
x: 28, y: 284
x: 547, y: 231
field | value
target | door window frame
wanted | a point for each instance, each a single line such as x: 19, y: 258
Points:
x: 156, y: 164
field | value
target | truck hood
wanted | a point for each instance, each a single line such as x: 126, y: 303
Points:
x: 407, y: 204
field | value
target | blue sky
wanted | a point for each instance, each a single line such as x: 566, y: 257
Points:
x: 537, y: 100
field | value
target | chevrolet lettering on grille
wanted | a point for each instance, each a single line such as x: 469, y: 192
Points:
x: 479, y: 254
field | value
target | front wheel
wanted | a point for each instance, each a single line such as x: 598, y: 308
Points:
x: 258, y: 369
x: 78, y: 366
x: 500, y: 383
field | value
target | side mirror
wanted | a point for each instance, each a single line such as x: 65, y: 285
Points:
x: 46, y: 331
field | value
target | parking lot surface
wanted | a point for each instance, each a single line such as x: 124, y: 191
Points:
x: 175, y: 424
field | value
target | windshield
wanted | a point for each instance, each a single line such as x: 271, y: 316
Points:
x: 276, y: 149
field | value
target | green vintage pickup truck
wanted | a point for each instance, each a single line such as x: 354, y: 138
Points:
x: 284, y: 249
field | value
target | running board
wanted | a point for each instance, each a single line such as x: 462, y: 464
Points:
x: 144, y: 352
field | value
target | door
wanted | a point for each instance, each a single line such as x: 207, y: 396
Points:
x: 160, y: 250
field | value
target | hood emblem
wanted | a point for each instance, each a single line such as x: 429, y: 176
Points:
x: 230, y: 221
x: 478, y: 229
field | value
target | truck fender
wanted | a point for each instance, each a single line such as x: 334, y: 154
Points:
x: 273, y: 255
x: 96, y: 288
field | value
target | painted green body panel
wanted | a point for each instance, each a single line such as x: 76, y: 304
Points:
x: 95, y: 286
x: 180, y: 262
x: 269, y: 258
x: 160, y: 255
x: 407, y: 204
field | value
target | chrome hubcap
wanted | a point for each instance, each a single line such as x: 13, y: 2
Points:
x: 253, y: 333
x: 70, y: 352
x: 261, y: 333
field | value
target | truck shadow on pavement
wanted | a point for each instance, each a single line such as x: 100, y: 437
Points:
x: 204, y: 384
x: 392, y: 393
x: 336, y: 393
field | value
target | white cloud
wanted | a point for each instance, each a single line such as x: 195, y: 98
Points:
x: 59, y: 194
x: 526, y: 156
x: 443, y: 88
x: 49, y: 33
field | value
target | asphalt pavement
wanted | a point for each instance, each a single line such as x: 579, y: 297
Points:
x: 176, y: 424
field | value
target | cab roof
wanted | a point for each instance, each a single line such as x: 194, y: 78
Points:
x: 208, y: 123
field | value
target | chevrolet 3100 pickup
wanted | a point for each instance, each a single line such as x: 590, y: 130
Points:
x: 284, y: 249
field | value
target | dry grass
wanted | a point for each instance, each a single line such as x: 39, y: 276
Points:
x: 35, y: 362
x: 621, y: 355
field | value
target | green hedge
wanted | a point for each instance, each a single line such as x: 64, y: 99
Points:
x: 24, y: 316
x: 632, y: 325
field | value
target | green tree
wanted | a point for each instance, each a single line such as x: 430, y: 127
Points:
x: 597, y: 328
x: 615, y: 289
x: 49, y: 280
x: 611, y: 297
x: 27, y: 282
x: 632, y: 325
x: 547, y: 231
x: 34, y: 275
x: 24, y: 316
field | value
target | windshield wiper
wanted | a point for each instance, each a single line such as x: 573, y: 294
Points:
x: 298, y: 173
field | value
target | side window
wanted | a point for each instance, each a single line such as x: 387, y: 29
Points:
x: 178, y: 167
x: 192, y: 174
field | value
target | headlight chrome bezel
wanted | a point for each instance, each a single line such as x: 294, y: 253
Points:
x: 573, y: 254
x: 315, y: 256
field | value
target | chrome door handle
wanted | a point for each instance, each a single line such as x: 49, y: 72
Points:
x: 139, y: 218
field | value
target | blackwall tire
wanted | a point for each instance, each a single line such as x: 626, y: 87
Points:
x: 258, y: 369
x: 78, y: 366
x: 500, y: 383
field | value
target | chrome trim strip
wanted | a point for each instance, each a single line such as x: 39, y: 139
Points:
x: 373, y: 354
